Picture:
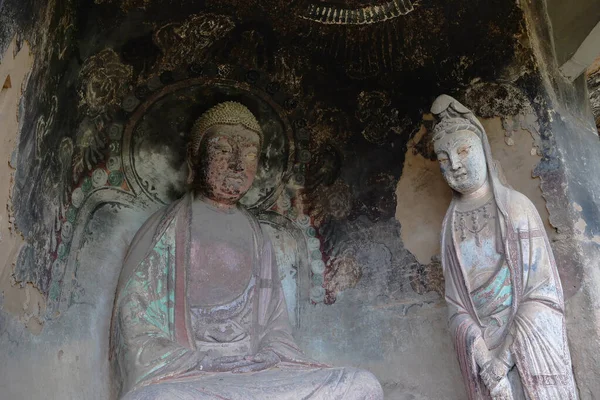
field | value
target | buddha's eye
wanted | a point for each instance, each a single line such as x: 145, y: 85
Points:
x: 224, y: 149
x: 251, y: 156
x: 442, y: 159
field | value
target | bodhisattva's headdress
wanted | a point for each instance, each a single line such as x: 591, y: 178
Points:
x: 451, y: 116
x: 226, y: 113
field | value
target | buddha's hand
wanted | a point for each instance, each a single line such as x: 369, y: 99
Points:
x: 221, y: 364
x: 240, y: 364
x: 262, y: 360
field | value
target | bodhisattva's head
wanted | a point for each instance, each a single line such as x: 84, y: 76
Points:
x: 462, y: 160
x: 223, y: 153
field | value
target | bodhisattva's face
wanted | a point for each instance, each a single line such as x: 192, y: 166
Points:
x: 228, y: 163
x: 462, y: 161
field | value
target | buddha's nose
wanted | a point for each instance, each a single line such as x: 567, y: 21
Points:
x: 237, y: 165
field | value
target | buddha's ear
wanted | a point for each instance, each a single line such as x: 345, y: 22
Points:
x: 190, y: 165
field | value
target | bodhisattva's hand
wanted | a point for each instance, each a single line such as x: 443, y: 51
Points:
x: 493, y: 372
x: 480, y: 352
x: 502, y: 390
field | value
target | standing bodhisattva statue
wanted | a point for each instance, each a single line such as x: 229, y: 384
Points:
x: 504, y: 296
x: 199, y: 311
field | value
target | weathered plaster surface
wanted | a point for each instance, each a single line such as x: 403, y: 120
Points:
x: 69, y: 359
x: 23, y: 301
x: 578, y: 247
x: 422, y: 199
x: 378, y: 336
x: 517, y: 152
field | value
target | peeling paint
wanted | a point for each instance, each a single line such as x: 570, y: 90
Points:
x: 25, y: 302
x: 422, y: 199
x: 580, y: 227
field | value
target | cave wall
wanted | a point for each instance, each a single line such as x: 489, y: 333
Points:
x: 348, y: 187
x: 571, y: 23
x: 593, y: 86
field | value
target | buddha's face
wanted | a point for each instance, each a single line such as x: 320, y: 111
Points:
x: 228, y: 162
x: 462, y: 161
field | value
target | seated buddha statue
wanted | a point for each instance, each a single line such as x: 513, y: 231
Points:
x: 199, y: 310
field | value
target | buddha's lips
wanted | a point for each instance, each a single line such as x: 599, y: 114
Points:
x: 233, y: 184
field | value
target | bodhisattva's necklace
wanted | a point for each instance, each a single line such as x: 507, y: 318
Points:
x: 474, y: 221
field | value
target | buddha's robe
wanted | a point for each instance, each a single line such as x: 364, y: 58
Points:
x: 522, y: 299
x: 157, y: 337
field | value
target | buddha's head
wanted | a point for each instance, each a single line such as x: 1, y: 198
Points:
x: 223, y: 152
x: 460, y: 153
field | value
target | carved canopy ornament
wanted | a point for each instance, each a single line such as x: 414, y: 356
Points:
x: 336, y: 15
x: 187, y: 42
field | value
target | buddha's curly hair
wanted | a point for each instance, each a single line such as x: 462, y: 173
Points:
x: 227, y: 113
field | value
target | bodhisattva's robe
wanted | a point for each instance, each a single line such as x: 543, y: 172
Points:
x: 152, y: 337
x: 523, y: 299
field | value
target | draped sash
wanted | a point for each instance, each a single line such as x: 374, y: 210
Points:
x: 151, y: 336
x: 536, y: 317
